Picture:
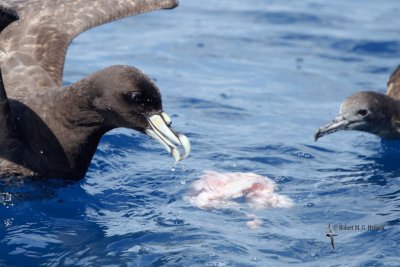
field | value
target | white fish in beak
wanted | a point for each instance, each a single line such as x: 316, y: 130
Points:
x: 161, y: 131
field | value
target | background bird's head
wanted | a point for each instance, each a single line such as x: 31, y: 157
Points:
x: 370, y: 112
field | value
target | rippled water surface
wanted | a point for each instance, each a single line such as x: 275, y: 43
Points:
x: 249, y: 82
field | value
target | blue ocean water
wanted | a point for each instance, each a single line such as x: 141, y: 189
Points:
x: 249, y: 82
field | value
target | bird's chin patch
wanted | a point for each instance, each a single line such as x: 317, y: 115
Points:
x: 160, y: 129
x: 141, y: 124
x: 357, y: 126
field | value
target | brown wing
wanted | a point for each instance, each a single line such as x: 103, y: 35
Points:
x: 393, y: 85
x: 7, y: 16
x: 36, y: 45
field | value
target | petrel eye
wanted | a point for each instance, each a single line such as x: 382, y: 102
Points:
x: 136, y: 97
x: 362, y: 112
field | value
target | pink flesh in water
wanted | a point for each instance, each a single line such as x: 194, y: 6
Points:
x: 218, y: 190
x: 215, y: 190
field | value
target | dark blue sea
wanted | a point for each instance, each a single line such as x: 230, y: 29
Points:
x: 249, y: 82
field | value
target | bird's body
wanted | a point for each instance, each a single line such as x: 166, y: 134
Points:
x: 53, y: 131
x: 331, y: 236
x: 370, y: 112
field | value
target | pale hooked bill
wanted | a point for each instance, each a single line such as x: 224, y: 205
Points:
x: 160, y: 129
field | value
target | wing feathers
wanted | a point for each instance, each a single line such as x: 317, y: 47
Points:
x: 47, y: 27
x: 393, y: 85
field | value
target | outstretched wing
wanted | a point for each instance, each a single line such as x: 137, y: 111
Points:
x: 7, y: 16
x: 36, y: 45
x: 393, y: 85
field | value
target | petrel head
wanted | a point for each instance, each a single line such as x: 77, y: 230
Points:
x: 126, y: 97
x: 370, y: 112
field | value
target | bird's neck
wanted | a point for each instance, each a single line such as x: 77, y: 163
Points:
x: 396, y: 119
x: 391, y: 129
x: 77, y: 126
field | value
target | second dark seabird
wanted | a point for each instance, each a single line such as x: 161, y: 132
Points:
x: 331, y: 236
x: 370, y: 112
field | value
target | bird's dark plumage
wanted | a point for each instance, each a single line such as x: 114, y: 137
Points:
x: 52, y: 131
x: 370, y: 112
x: 7, y: 15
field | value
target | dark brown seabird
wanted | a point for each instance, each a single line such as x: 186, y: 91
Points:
x: 52, y: 131
x: 331, y: 236
x: 370, y: 112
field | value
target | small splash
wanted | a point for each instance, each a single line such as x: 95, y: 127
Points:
x: 217, y: 263
x: 173, y: 167
x: 8, y: 222
x: 6, y: 199
x: 304, y: 155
